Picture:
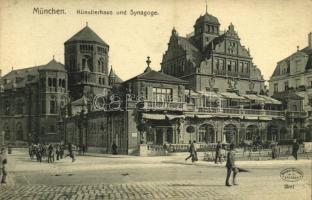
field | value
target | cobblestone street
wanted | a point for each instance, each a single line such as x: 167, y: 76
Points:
x: 148, y: 178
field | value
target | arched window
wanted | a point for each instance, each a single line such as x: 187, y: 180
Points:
x: 63, y: 83
x: 60, y: 83
x: 53, y: 108
x: 7, y: 108
x: 252, y: 133
x: 206, y: 133
x: 7, y: 134
x: 100, y: 80
x: 230, y: 132
x: 272, y: 134
x: 50, y: 82
x: 54, y: 82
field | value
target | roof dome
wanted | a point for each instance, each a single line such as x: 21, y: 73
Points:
x: 207, y: 18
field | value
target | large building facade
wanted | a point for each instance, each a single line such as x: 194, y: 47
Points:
x: 207, y: 90
x: 291, y: 82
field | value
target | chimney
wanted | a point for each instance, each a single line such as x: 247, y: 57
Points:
x: 310, y: 39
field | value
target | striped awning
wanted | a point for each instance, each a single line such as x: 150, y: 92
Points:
x: 154, y: 116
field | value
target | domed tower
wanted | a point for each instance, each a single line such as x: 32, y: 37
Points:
x: 206, y: 29
x: 86, y: 60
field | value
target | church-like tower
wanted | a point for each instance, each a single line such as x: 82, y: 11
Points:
x: 86, y: 60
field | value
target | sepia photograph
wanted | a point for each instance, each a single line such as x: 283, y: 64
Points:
x: 153, y: 99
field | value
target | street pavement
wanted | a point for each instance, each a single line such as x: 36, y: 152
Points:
x: 128, y: 177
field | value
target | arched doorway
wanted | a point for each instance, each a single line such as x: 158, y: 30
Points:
x: 206, y: 133
x: 230, y: 132
x: 272, y: 134
x: 252, y: 132
x: 308, y: 136
x: 19, y: 132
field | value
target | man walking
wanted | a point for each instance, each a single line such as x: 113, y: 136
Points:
x: 295, y: 149
x: 3, y: 162
x: 230, y: 166
x: 218, y: 152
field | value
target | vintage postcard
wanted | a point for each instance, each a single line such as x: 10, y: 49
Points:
x: 153, y: 99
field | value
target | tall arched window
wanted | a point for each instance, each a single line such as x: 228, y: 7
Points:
x: 206, y: 133
x: 53, y: 108
x: 19, y: 132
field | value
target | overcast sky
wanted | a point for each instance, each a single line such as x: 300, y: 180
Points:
x: 272, y: 29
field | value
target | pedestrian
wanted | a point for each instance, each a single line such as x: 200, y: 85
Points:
x: 194, y: 151
x: 83, y: 149
x: 114, y: 148
x: 218, y: 152
x: 38, y: 153
x: 230, y: 166
x: 190, y: 151
x: 295, y: 149
x: 50, y: 154
x: 3, y: 162
x: 71, y: 151
x: 57, y: 152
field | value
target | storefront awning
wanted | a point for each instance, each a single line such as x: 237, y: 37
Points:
x: 154, y: 116
x: 231, y: 95
x: 203, y: 116
x: 253, y: 97
x: 269, y: 100
x: 251, y: 117
x: 210, y: 94
x: 171, y: 117
x: 266, y: 118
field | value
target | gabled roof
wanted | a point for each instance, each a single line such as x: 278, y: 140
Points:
x: 157, y: 77
x: 88, y: 35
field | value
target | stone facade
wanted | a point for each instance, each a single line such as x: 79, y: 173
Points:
x: 291, y: 82
x: 208, y: 54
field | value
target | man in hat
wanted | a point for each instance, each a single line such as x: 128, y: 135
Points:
x: 230, y: 166
x: 3, y: 162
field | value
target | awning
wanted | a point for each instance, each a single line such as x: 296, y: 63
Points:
x: 231, y: 95
x: 210, y: 94
x: 251, y: 117
x: 203, y: 116
x: 154, y: 116
x: 171, y: 117
x: 266, y: 118
x: 253, y: 97
x: 269, y: 100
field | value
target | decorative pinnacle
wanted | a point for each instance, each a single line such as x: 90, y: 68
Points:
x: 206, y: 7
x: 148, y: 61
x: 86, y: 23
x: 53, y: 57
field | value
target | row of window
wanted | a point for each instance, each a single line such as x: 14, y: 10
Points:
x: 175, y: 69
x: 102, y: 80
x: 88, y: 47
x: 162, y: 94
x: 286, y: 85
x: 87, y: 62
x: 231, y: 66
x: 53, y: 82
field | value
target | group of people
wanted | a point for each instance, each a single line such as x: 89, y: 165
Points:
x: 51, y: 152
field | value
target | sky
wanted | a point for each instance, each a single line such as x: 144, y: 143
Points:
x: 271, y: 29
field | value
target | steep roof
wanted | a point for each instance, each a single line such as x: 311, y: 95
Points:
x: 112, y: 74
x: 152, y: 75
x: 88, y: 35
